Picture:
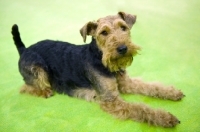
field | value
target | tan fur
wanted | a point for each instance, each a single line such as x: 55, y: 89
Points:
x: 113, y: 104
x: 115, y: 38
x: 108, y: 44
x: 139, y: 112
x: 41, y: 80
x: 41, y: 86
x: 106, y: 87
x: 45, y: 93
x: 110, y: 34
x: 137, y: 86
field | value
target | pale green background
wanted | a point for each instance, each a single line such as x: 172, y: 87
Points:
x: 167, y: 30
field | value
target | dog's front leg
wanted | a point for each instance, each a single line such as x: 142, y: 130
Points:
x: 137, y: 86
x: 107, y: 88
x: 139, y: 112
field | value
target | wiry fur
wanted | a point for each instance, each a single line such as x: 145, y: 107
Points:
x: 95, y: 71
x: 154, y: 89
x: 139, y: 112
x: 109, y: 43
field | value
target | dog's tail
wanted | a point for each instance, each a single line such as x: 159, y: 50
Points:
x: 17, y: 40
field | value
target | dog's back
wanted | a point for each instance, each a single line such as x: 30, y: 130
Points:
x: 60, y: 64
x: 65, y: 72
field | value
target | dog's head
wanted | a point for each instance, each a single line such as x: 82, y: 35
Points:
x: 112, y: 35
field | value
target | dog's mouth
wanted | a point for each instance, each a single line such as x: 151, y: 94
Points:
x: 121, y: 57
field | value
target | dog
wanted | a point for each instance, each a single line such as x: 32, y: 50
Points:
x: 94, y: 71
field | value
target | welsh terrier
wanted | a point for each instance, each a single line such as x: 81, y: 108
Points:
x: 95, y: 71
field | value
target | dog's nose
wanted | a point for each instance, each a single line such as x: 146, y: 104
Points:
x: 122, y: 49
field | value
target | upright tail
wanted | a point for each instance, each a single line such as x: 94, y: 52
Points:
x: 17, y: 40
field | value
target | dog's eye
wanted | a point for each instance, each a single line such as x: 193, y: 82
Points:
x: 104, y: 33
x: 123, y: 28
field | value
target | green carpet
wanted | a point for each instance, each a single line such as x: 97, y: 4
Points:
x: 168, y: 32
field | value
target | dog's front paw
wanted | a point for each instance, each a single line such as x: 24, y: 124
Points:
x: 155, y: 117
x: 175, y: 94
x: 166, y: 119
x: 178, y: 95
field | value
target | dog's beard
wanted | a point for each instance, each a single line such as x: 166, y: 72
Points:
x: 116, y: 62
x: 115, y: 65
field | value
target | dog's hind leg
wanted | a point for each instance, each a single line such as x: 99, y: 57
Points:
x: 36, y: 78
x: 36, y: 82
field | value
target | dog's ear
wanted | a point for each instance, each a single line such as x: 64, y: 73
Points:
x: 88, y: 29
x: 128, y: 18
